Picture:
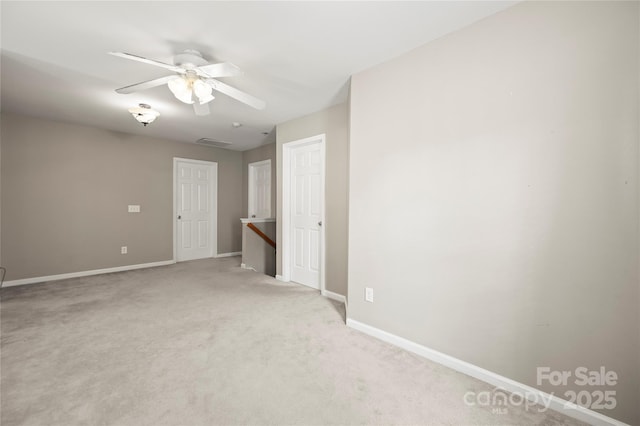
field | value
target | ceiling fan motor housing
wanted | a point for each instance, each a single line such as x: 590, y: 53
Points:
x: 189, y: 59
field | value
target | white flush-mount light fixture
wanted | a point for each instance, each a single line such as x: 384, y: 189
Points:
x: 144, y: 114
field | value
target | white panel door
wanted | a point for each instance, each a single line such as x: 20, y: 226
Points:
x: 195, y: 202
x: 306, y: 214
x: 260, y: 189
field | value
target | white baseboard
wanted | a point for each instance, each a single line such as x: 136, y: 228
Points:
x: 36, y: 280
x: 334, y: 296
x: 555, y: 403
x: 326, y: 293
x: 233, y: 253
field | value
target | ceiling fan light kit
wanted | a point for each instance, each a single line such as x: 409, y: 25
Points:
x: 144, y: 114
x: 202, y: 91
x: 180, y: 89
x: 189, y: 90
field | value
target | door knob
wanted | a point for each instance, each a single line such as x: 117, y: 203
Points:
x: 179, y: 217
x: 320, y: 223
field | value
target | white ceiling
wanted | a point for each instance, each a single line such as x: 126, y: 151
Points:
x: 297, y: 56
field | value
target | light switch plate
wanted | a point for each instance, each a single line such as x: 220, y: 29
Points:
x: 134, y: 208
x: 368, y: 294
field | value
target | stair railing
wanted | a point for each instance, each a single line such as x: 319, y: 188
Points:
x: 261, y: 234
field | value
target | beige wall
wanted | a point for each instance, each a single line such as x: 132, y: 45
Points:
x: 333, y: 122
x: 261, y: 153
x: 494, y: 194
x: 65, y: 191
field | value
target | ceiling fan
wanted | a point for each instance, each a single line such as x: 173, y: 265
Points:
x: 194, y: 81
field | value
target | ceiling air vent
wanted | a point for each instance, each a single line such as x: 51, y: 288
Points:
x: 213, y: 142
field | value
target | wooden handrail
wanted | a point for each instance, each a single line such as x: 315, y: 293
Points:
x: 261, y: 234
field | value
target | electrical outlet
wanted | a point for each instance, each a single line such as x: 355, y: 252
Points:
x: 368, y: 294
x: 133, y: 208
x: 123, y: 250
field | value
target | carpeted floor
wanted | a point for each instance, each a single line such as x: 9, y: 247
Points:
x: 206, y: 342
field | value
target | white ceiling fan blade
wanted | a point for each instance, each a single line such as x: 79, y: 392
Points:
x: 145, y: 85
x: 201, y: 109
x: 147, y: 61
x: 237, y: 94
x: 223, y: 69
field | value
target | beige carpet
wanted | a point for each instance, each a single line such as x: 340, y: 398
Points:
x: 205, y: 342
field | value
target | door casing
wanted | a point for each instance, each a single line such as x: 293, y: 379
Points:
x: 287, y: 150
x: 251, y: 187
x: 213, y: 200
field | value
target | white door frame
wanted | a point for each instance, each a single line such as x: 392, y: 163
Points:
x: 251, y: 188
x: 287, y: 148
x: 213, y: 207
